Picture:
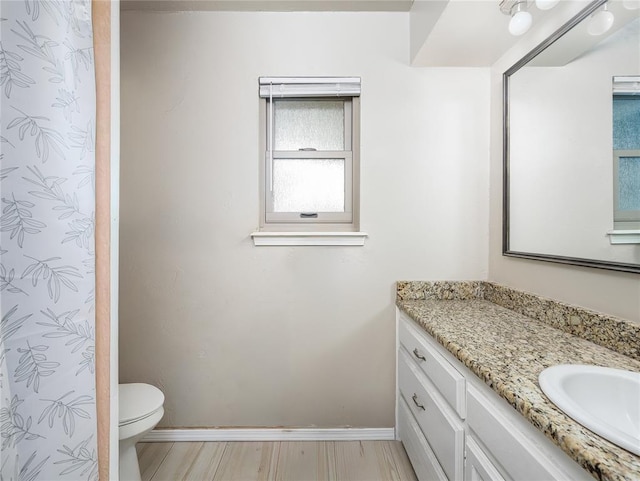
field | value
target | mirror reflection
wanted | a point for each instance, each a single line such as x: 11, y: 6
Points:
x: 626, y: 153
x: 572, y: 128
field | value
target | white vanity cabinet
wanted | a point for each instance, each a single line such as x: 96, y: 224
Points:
x: 478, y: 466
x: 454, y: 427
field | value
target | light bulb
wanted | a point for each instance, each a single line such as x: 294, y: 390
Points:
x: 600, y: 22
x: 546, y: 4
x: 520, y: 22
x: 631, y: 4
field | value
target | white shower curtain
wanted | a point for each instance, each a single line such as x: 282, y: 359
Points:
x: 47, y: 335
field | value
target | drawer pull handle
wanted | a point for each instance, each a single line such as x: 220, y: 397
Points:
x: 415, y: 401
x: 418, y: 355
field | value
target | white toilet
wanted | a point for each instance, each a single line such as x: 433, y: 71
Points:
x: 140, y: 407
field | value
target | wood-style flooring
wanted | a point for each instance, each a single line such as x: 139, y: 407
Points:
x: 275, y: 461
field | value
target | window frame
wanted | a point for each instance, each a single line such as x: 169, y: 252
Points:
x: 623, y: 219
x: 347, y: 221
x: 624, y: 88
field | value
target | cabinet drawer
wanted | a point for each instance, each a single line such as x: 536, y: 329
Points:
x: 518, y: 455
x: 478, y: 467
x: 443, y: 431
x: 424, y: 462
x: 440, y: 372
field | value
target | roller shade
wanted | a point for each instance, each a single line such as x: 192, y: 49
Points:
x: 626, y: 85
x: 279, y: 87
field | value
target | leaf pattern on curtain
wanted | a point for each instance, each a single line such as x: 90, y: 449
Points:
x: 47, y: 260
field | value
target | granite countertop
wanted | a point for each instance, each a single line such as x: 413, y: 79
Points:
x: 508, y: 350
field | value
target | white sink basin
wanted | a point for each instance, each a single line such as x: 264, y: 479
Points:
x: 605, y: 400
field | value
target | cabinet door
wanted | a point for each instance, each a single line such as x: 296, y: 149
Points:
x: 478, y: 467
x: 519, y: 455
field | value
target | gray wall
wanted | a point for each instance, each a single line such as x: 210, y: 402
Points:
x: 237, y: 335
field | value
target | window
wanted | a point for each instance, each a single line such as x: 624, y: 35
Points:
x: 310, y: 148
x: 626, y: 152
x: 627, y: 188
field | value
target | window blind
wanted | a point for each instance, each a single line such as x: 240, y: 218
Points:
x: 626, y: 85
x: 281, y: 87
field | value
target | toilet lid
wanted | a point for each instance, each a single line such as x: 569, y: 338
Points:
x: 137, y: 401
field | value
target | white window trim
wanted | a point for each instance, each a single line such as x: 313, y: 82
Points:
x: 629, y: 236
x: 267, y: 238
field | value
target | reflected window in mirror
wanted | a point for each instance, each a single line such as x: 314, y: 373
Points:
x: 626, y: 152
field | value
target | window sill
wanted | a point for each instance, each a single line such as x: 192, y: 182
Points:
x: 308, y: 238
x: 624, y: 236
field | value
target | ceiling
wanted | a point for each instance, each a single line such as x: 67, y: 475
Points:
x: 444, y: 33
x: 271, y: 5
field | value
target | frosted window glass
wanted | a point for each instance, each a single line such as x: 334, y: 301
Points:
x: 308, y: 185
x: 300, y: 124
x: 626, y: 122
x: 629, y: 183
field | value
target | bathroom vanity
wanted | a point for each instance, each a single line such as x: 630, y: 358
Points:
x: 469, y: 406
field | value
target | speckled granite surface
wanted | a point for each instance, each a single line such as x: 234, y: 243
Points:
x: 617, y: 334
x: 508, y: 350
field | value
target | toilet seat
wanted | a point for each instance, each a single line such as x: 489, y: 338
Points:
x: 138, y: 401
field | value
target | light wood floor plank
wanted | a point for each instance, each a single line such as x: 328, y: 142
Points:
x: 244, y: 461
x: 355, y: 461
x: 365, y: 461
x: 207, y: 462
x: 150, y: 457
x: 302, y: 461
x: 275, y: 461
x: 177, y: 464
x: 401, y: 461
x: 387, y: 466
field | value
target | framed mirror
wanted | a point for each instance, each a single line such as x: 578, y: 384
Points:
x: 571, y: 112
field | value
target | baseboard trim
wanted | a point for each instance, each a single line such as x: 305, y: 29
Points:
x: 270, y: 434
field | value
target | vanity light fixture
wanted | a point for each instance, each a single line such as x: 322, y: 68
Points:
x: 521, y: 19
x: 546, y: 4
x: 601, y: 21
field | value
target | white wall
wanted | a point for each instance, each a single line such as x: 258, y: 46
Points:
x: 610, y: 292
x: 297, y: 336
